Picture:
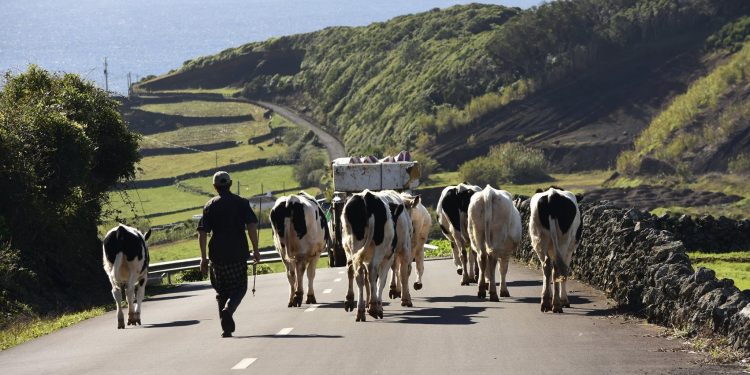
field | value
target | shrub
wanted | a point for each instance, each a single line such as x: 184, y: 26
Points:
x: 443, y: 249
x: 740, y: 164
x: 507, y: 163
x: 191, y: 276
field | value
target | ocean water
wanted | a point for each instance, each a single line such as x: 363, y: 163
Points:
x: 152, y: 37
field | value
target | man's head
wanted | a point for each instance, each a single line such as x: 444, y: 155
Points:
x: 222, y: 181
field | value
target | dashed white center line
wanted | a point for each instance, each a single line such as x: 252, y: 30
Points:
x: 311, y: 308
x: 327, y: 291
x: 284, y: 331
x: 336, y: 280
x: 244, y: 363
x: 341, y: 272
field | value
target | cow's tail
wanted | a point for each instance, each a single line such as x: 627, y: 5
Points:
x: 561, y: 269
x: 369, y: 234
x: 488, y: 197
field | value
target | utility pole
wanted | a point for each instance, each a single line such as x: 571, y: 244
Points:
x: 106, y: 76
x: 130, y: 85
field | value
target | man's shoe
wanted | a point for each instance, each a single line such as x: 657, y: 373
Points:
x: 226, y: 334
x: 227, y: 323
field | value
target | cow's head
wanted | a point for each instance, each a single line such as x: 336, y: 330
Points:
x: 411, y: 201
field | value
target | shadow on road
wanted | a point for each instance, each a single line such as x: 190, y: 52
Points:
x: 179, y: 323
x: 460, y: 298
x: 312, y: 336
x: 573, y: 299
x: 458, y: 315
x: 164, y: 298
x: 523, y: 283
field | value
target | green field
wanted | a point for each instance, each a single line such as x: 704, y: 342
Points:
x: 188, y: 248
x: 205, y: 108
x: 272, y: 178
x: 174, y: 165
x: 576, y: 182
x: 734, y: 265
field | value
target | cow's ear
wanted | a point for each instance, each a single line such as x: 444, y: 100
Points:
x: 417, y: 199
x: 148, y: 234
x: 579, y: 197
x: 539, y: 190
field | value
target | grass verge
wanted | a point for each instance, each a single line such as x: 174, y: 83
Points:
x: 27, y: 330
x: 734, y: 265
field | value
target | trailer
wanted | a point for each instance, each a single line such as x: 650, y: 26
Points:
x: 353, y: 177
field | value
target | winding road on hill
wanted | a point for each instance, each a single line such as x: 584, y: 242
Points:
x: 448, y: 331
x: 334, y: 146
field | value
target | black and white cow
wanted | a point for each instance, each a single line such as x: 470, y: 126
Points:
x: 452, y: 216
x: 368, y: 238
x: 555, y: 229
x: 300, y: 232
x: 495, y: 232
x: 126, y: 263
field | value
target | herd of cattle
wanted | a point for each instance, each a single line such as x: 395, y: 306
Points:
x: 385, y: 231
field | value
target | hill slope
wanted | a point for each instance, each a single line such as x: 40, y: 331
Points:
x: 549, y: 75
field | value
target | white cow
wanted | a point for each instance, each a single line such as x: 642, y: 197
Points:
x: 421, y: 222
x: 452, y: 216
x: 367, y: 237
x: 402, y: 246
x: 126, y: 263
x: 300, y: 231
x: 555, y: 230
x: 495, y: 232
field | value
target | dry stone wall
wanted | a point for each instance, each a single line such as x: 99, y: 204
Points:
x: 629, y: 255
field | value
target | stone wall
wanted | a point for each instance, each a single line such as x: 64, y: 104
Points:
x: 644, y: 268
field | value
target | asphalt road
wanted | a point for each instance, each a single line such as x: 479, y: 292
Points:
x: 332, y: 144
x: 448, y: 331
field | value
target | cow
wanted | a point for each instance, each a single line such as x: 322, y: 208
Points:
x: 300, y: 232
x: 368, y: 240
x: 495, y: 232
x: 401, y: 246
x: 555, y: 229
x: 126, y: 259
x: 452, y: 216
x: 421, y: 224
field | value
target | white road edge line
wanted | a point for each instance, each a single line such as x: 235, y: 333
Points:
x: 284, y: 331
x: 341, y: 272
x: 311, y: 308
x: 336, y: 280
x: 244, y: 363
x: 327, y: 291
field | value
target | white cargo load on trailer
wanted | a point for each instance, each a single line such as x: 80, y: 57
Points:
x: 355, y: 177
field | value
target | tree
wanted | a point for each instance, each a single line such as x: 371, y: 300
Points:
x: 63, y: 143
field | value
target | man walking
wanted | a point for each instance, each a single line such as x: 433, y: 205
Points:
x: 227, y: 216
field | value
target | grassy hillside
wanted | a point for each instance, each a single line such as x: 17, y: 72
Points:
x: 702, y: 128
x: 439, y: 77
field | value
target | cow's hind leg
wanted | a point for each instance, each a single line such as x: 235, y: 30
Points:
x: 482, y: 284
x: 311, y: 263
x: 491, y: 272
x: 290, y: 275
x: 360, y: 275
x: 373, y: 286
x: 299, y: 267
x: 564, y: 292
x: 419, y: 260
x: 395, y: 290
x: 503, y: 273
x: 403, y: 268
x: 546, y: 298
x: 130, y: 296
x: 117, y: 295
x: 465, y: 276
x: 349, y: 304
x: 140, y: 294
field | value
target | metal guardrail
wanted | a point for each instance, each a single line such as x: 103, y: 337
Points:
x: 158, y: 271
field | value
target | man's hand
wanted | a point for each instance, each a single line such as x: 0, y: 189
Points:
x: 204, y: 266
x: 256, y: 255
